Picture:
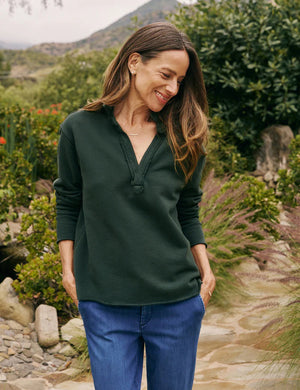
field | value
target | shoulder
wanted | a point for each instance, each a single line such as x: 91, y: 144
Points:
x: 78, y: 120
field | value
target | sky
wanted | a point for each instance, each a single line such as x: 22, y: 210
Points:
x: 77, y: 19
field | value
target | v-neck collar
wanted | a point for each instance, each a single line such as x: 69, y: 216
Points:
x: 138, y: 170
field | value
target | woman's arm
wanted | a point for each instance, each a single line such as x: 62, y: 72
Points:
x: 66, y: 248
x: 207, y: 276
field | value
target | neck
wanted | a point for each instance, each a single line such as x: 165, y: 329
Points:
x: 132, y: 113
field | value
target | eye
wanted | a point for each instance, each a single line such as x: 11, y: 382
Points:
x: 165, y: 75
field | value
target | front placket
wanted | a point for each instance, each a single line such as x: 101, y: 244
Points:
x: 138, y: 171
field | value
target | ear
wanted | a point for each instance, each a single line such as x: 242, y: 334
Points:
x: 133, y: 62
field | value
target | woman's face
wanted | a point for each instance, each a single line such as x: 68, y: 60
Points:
x: 156, y: 81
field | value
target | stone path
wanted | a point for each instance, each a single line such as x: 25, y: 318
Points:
x: 232, y: 354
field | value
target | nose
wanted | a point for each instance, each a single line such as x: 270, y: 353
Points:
x: 172, y: 87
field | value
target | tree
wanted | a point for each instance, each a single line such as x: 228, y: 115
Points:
x: 77, y: 79
x: 250, y: 53
x: 27, y: 4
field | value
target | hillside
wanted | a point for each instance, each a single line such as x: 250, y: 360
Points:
x: 116, y: 33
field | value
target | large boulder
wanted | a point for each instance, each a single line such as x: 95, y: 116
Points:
x: 74, y: 333
x: 46, y: 326
x: 273, y: 154
x: 11, y: 308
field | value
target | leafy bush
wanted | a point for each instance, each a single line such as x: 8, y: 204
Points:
x: 39, y: 279
x: 289, y: 181
x: 258, y: 198
x: 250, y: 53
x: 77, y: 79
x: 35, y: 133
x: 222, y: 154
x: 16, y: 182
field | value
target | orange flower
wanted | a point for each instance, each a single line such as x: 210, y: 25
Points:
x: 53, y: 105
x: 39, y: 111
x: 2, y: 141
x: 55, y: 143
x: 54, y: 112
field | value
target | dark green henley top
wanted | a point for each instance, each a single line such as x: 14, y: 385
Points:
x: 132, y: 224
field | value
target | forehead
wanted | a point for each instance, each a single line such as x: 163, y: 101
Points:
x: 175, y: 60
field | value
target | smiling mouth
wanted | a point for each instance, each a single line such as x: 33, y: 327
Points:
x: 161, y: 97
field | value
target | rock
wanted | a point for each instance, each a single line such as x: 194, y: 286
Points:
x: 31, y: 384
x: 273, y: 154
x: 46, y: 325
x: 55, y: 349
x: 14, y: 325
x: 74, y: 332
x: 69, y: 385
x: 11, y: 308
x: 268, y: 176
x: 9, y: 386
x: 11, y: 351
x: 13, y: 252
x: 68, y: 351
x: 37, y: 358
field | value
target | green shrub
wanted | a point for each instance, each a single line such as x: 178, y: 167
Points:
x: 35, y: 133
x: 258, y: 198
x: 16, y: 182
x: 40, y: 278
x: 77, y: 79
x: 222, y: 155
x: 249, y: 51
x: 289, y: 181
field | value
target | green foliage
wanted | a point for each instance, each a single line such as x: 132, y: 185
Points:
x: 15, y: 184
x: 39, y: 279
x: 222, y: 154
x: 4, y: 68
x: 289, y: 181
x: 231, y: 234
x: 35, y: 134
x: 250, y: 53
x: 20, y: 93
x: 258, y: 198
x: 77, y: 79
x: 31, y: 59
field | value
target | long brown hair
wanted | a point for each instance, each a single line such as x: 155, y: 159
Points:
x: 185, y: 115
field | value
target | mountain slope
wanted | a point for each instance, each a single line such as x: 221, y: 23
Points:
x: 116, y: 33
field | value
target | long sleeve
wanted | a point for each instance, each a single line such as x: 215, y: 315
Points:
x: 188, y: 207
x: 68, y: 188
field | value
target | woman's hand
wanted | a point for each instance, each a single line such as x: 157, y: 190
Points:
x: 66, y: 249
x: 207, y: 287
x: 68, y: 282
x: 207, y: 276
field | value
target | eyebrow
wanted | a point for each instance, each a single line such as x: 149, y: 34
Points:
x: 172, y: 71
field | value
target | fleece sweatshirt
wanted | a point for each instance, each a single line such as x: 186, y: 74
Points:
x: 132, y: 224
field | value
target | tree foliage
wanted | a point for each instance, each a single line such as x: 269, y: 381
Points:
x: 77, y: 79
x: 250, y: 51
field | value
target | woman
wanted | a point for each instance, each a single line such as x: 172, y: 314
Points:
x: 129, y: 235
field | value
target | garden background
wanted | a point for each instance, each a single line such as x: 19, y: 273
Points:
x: 250, y: 53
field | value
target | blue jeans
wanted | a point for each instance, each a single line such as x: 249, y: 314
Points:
x: 117, y: 335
